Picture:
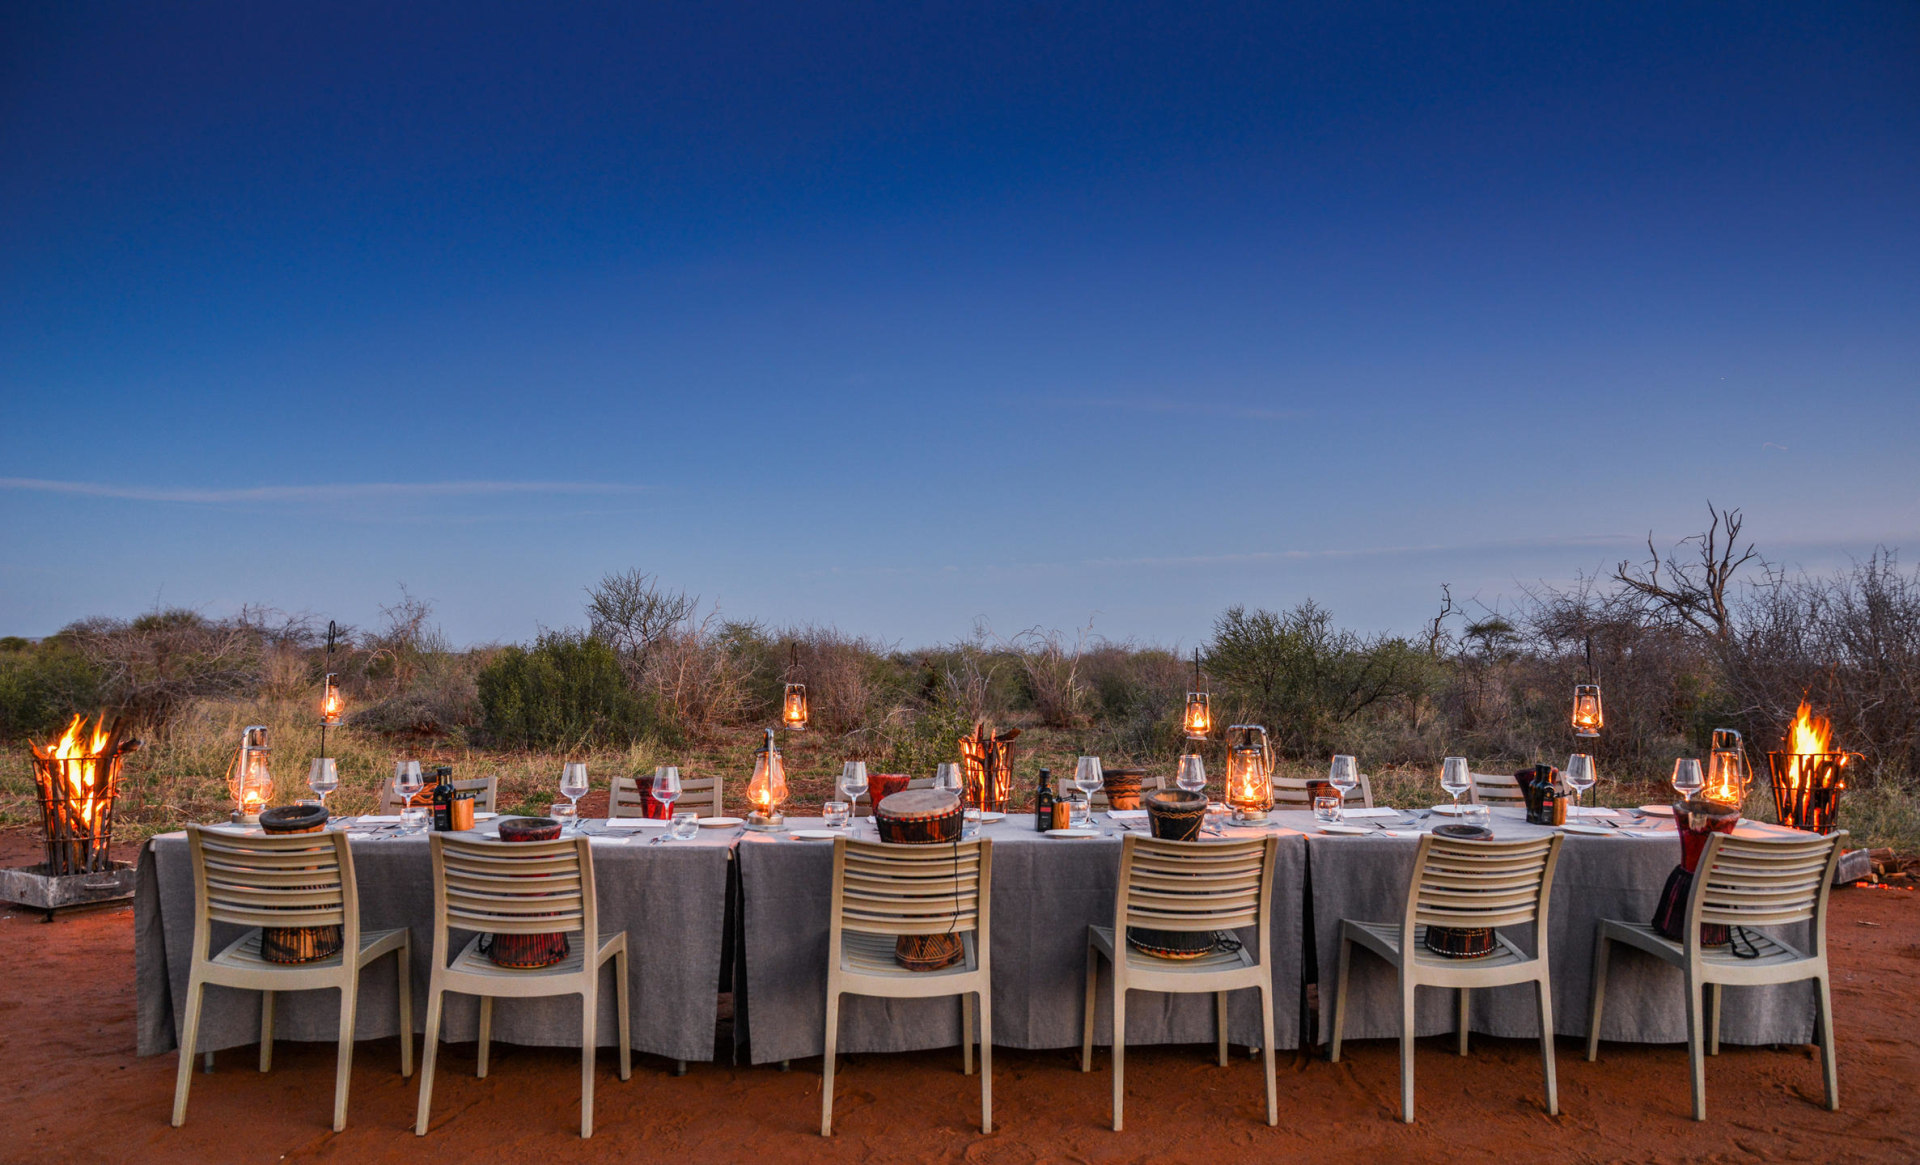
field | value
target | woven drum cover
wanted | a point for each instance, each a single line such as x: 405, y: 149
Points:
x: 928, y: 952
x: 919, y: 817
x: 297, y: 944
x: 527, y: 952
x: 1176, y: 814
x: 1123, y: 787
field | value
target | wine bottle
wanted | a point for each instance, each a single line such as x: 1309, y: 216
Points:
x: 1043, y: 803
x: 443, y: 799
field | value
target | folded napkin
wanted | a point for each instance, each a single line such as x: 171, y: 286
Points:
x: 1584, y: 811
x: 1371, y: 813
x: 633, y: 822
x: 376, y: 819
x: 1127, y: 814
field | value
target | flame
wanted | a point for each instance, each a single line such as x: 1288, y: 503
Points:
x: 1810, y: 736
x: 331, y: 704
x: 80, y: 764
x: 1199, y: 716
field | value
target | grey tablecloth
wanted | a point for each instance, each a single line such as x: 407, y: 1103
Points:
x: 670, y: 899
x: 1618, y: 876
x: 1046, y: 891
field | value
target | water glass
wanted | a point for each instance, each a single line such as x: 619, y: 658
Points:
x: 1480, y: 815
x: 666, y: 786
x: 573, y: 781
x: 565, y: 814
x: 323, y: 777
x: 1192, y: 773
x: 1580, y: 775
x: 686, y: 825
x: 1456, y: 779
x: 1088, y: 777
x: 413, y: 819
x: 1326, y: 808
x: 836, y: 814
x: 853, y: 781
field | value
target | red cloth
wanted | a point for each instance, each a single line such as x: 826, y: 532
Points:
x: 880, y: 786
x: 657, y: 810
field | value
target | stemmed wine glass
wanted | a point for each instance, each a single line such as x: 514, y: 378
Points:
x: 1580, y: 776
x: 323, y: 777
x: 1191, y: 775
x: 853, y: 785
x: 1687, y: 780
x: 573, y: 786
x: 666, y: 787
x: 1344, y: 776
x: 1455, y: 779
x: 1087, y: 777
x: 947, y: 778
x: 406, y: 786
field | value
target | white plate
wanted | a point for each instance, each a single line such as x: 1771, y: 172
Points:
x: 1450, y: 810
x: 1657, y: 810
x: 815, y: 834
x: 478, y: 816
x: 719, y: 822
x: 1076, y: 831
x: 1589, y: 830
x: 987, y: 815
x: 1347, y: 830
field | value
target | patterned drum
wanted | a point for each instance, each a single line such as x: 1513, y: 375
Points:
x: 922, y: 817
x: 527, y: 952
x: 1122, y: 787
x: 1174, y: 815
x: 1461, y: 942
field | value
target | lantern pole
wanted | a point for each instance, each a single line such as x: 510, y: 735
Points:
x: 333, y: 632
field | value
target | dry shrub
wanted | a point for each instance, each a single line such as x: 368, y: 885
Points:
x: 1052, y: 669
x: 700, y: 675
x: 845, y: 679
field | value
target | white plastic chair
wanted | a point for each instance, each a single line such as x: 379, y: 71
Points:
x: 485, y: 790
x: 289, y: 880
x: 1186, y: 886
x: 702, y: 795
x: 1745, y: 883
x: 529, y: 887
x: 1297, y: 793
x: 881, y: 892
x: 1496, y: 789
x: 1469, y: 884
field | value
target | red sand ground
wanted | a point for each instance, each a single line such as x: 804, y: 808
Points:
x: 74, y: 1091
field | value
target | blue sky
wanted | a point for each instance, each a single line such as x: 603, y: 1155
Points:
x: 899, y: 317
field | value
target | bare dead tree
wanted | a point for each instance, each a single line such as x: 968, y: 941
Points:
x: 1695, y: 594
x: 1438, y: 638
x: 631, y: 611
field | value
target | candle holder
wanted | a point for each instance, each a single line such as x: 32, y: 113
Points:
x: 1588, y: 717
x: 1198, y: 719
x: 767, y: 791
x: 794, y: 712
x: 251, y: 783
x: 1249, y: 781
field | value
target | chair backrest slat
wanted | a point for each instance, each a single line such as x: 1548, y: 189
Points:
x: 282, y: 880
x: 485, y: 790
x: 1753, y: 882
x: 909, y: 889
x: 1195, y: 885
x: 1481, y: 883
x: 1496, y: 789
x: 509, y: 887
x: 702, y: 795
x: 1297, y: 793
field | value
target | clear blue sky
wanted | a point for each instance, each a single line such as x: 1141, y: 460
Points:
x: 897, y: 316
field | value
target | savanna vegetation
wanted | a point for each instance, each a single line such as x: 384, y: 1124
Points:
x: 1709, y: 635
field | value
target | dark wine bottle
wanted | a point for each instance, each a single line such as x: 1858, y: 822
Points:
x: 1043, y: 802
x: 443, y: 799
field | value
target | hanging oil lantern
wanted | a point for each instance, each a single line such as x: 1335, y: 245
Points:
x: 1587, y: 716
x: 793, y: 707
x: 1249, y: 782
x: 331, y: 704
x: 1198, y: 721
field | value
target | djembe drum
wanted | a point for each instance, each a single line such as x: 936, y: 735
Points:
x: 1174, y: 815
x: 1461, y: 942
x: 1122, y: 787
x: 922, y: 817
x: 298, y: 944
x: 527, y: 952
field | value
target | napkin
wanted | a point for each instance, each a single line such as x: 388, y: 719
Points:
x: 1371, y: 813
x: 1127, y: 814
x: 633, y: 822
x: 376, y: 819
x: 1584, y: 811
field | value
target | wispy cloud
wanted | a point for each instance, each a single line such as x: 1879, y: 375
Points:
x: 1162, y: 405
x: 314, y: 494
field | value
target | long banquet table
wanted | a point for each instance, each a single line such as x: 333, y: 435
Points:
x: 673, y: 900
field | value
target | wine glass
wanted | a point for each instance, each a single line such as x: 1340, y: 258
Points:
x: 666, y: 787
x: 406, y: 786
x: 1687, y: 780
x: 1191, y: 775
x: 323, y: 777
x: 573, y: 785
x: 1086, y: 778
x: 1344, y: 775
x: 1580, y: 775
x: 1455, y: 779
x: 853, y: 785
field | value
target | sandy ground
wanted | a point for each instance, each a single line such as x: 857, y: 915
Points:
x: 74, y: 1091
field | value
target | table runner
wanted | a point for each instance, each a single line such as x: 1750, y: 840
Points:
x: 1046, y: 891
x: 670, y: 898
x: 1617, y: 876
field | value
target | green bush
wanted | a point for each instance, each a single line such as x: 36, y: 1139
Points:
x: 42, y: 686
x: 566, y: 692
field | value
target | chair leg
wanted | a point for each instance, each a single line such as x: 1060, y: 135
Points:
x: 196, y: 991
x: 986, y: 1062
x: 1460, y: 1022
x: 429, y: 1051
x: 1119, y: 1051
x: 1220, y: 1024
x: 620, y: 988
x: 1696, y: 1062
x: 1266, y: 1049
x: 1602, y: 952
x: 1713, y: 1019
x: 833, y: 1043
x: 1340, y: 1002
x: 404, y: 984
x: 1086, y: 1022
x: 966, y: 1033
x: 343, y: 1059
x: 1544, y: 994
x: 486, y: 1035
x: 266, y: 1031
x: 589, y: 1013
x: 1406, y: 1046
x: 1830, y: 1067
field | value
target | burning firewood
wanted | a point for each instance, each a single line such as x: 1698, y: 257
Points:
x: 77, y: 778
